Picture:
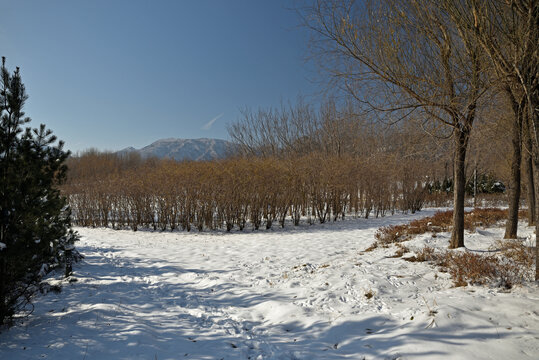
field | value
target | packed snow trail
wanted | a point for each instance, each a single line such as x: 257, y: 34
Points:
x: 308, y: 292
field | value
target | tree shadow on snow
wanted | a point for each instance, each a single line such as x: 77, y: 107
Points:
x: 379, y: 337
x: 116, y: 311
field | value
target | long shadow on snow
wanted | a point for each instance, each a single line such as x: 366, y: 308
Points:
x: 378, y: 337
x: 164, y: 319
x: 116, y: 312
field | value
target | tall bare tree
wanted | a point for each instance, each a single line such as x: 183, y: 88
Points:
x: 404, y: 58
x: 508, y: 31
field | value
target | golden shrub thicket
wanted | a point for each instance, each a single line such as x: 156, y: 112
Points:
x: 107, y: 190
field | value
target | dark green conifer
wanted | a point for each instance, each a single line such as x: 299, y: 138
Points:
x: 35, y: 222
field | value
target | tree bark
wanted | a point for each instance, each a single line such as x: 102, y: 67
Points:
x: 536, y: 174
x: 534, y: 119
x: 528, y: 171
x: 457, y: 235
x: 511, y: 226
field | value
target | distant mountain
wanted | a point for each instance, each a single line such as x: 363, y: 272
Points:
x: 184, y: 149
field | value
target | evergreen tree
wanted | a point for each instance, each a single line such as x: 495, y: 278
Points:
x: 35, y: 221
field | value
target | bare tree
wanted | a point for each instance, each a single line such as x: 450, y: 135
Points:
x: 528, y: 170
x: 508, y: 31
x: 276, y: 131
x: 402, y: 57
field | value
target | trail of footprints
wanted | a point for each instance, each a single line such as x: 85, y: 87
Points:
x: 195, y: 306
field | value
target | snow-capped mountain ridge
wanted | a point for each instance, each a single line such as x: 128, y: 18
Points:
x: 184, y: 149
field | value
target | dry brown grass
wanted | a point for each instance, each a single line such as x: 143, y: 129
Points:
x: 439, y: 222
x: 510, y: 263
x: 401, y: 250
x: 469, y: 268
x: 391, y: 234
x: 425, y: 254
x: 517, y: 251
x: 518, y: 259
x: 484, y: 217
x: 373, y: 247
x: 510, y: 266
x: 369, y: 294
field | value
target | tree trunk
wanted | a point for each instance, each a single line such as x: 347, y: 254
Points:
x: 461, y: 143
x: 511, y: 225
x: 534, y: 121
x: 536, y: 174
x: 534, y: 118
x: 528, y: 170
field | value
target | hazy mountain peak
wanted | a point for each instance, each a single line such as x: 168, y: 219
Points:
x: 127, y: 149
x: 184, y: 149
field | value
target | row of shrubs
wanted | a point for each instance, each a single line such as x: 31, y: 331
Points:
x: 167, y: 195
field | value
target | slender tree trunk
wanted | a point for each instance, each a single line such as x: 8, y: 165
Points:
x: 511, y: 225
x: 457, y: 235
x: 528, y: 170
x: 534, y: 119
x: 536, y: 245
x: 536, y: 174
x: 475, y: 185
x: 533, y: 116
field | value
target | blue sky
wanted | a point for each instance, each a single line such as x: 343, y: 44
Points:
x: 116, y: 73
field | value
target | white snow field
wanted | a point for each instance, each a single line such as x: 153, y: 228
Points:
x: 297, y: 293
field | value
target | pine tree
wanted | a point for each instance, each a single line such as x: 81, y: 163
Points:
x: 35, y: 221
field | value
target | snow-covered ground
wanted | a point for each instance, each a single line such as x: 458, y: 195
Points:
x: 297, y: 293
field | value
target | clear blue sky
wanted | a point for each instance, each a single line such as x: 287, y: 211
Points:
x: 116, y: 73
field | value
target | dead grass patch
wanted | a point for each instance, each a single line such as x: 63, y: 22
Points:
x: 391, y: 234
x: 439, y: 222
x: 425, y: 254
x: 373, y: 247
x: 470, y: 268
x: 369, y: 294
x: 510, y: 266
x: 517, y: 251
x: 401, y: 250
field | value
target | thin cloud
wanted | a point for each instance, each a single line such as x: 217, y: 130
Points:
x: 209, y: 124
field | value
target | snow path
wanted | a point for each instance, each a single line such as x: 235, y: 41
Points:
x: 297, y: 293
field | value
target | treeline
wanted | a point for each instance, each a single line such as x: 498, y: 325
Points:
x: 126, y: 192
x: 293, y: 163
